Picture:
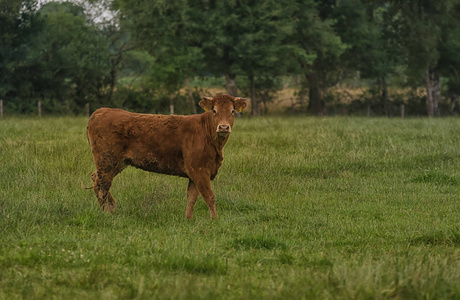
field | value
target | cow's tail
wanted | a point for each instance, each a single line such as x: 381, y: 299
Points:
x: 86, y: 188
x: 93, y: 177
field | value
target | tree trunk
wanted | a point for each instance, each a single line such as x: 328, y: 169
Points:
x: 255, y: 107
x: 230, y: 85
x: 429, y: 94
x: 190, y: 95
x: 453, y: 103
x: 113, y: 75
x: 433, y: 92
x: 171, y: 104
x: 315, y: 100
x: 264, y: 101
x: 436, y: 92
x: 385, y: 100
x: 87, y: 110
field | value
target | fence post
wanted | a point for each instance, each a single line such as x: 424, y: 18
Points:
x: 1, y: 108
x: 401, y: 109
x: 87, y: 109
x: 368, y: 110
x: 40, y: 109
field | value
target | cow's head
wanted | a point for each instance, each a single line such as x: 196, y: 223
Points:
x: 223, y: 108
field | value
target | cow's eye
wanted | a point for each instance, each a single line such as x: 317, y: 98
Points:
x: 233, y: 111
x: 214, y: 111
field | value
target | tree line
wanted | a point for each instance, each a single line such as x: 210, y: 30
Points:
x: 147, y: 55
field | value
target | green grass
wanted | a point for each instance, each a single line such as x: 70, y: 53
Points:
x: 328, y: 208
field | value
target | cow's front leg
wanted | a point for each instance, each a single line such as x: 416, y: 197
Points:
x: 203, y: 183
x: 192, y: 195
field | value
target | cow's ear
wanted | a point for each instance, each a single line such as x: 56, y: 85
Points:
x: 207, y: 103
x: 240, y: 104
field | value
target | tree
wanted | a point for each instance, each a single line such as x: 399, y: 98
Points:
x: 427, y: 32
x: 71, y: 61
x: 220, y: 33
x: 167, y: 30
x: 53, y: 54
x: 258, y: 49
x: 19, y: 22
x: 449, y: 48
x: 229, y: 38
x: 317, y: 47
x: 371, y: 47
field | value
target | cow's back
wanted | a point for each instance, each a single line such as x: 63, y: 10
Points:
x: 150, y: 142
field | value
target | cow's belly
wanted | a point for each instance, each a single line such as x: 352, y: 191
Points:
x: 173, y: 167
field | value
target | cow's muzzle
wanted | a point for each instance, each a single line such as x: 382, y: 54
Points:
x: 224, y: 129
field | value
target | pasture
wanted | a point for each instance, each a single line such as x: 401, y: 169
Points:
x: 327, y: 208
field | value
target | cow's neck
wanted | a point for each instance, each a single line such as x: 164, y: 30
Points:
x: 219, y: 141
x: 216, y: 140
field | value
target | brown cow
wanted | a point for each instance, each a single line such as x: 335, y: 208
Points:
x: 185, y: 146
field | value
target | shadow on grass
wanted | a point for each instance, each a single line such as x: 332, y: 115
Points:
x: 435, y: 178
x: 206, y: 265
x: 238, y: 205
x: 438, y: 238
x: 319, y: 262
x: 329, y: 171
x: 89, y: 220
x: 258, y: 242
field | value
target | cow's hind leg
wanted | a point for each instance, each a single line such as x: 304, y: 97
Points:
x: 192, y: 195
x: 102, y: 184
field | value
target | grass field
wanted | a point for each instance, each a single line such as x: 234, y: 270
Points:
x: 327, y: 208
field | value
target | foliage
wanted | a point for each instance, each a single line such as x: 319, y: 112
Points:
x: 73, y: 60
x: 67, y: 54
x: 64, y: 61
x: 18, y: 25
x: 166, y: 30
x: 428, y: 32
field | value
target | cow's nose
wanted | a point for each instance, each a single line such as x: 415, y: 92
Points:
x: 224, y: 128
